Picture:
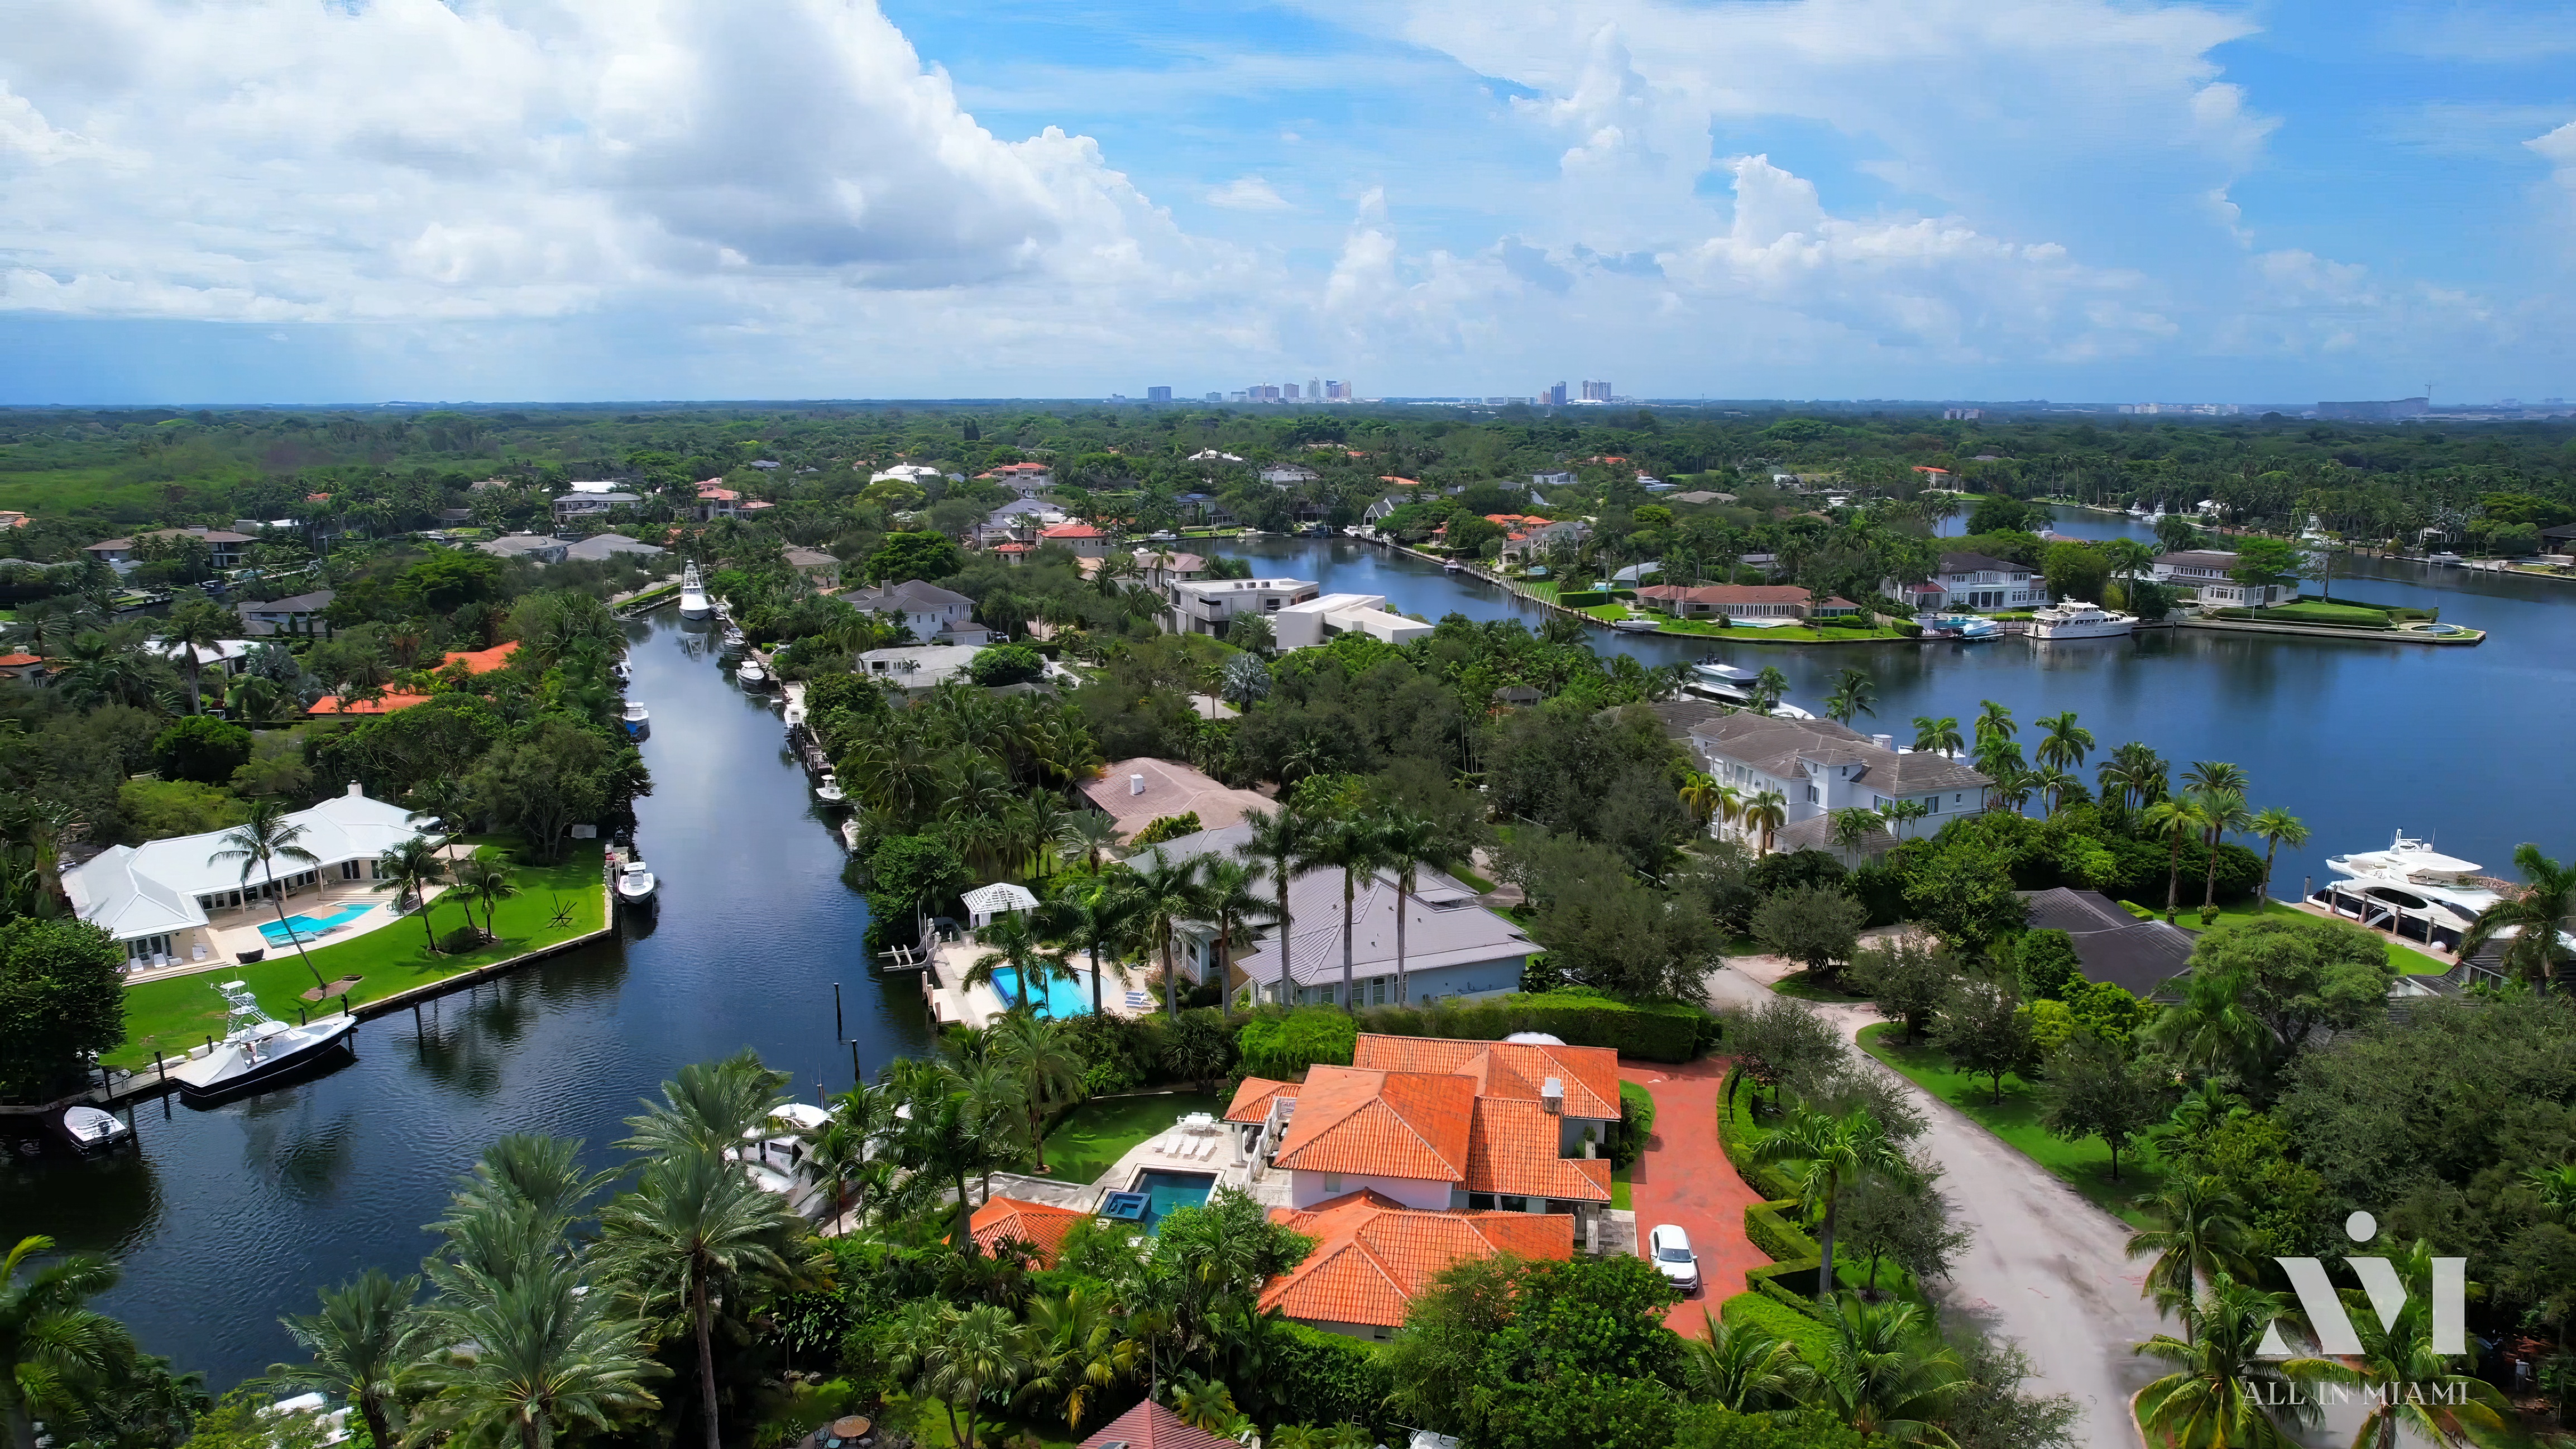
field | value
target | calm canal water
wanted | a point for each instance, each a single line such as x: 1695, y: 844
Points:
x: 2357, y: 739
x: 226, y: 1219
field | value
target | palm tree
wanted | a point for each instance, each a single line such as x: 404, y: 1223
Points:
x: 2222, y: 1391
x: 1737, y: 1366
x: 1938, y: 736
x: 1286, y: 840
x: 2408, y: 1385
x: 2203, y: 1236
x: 2131, y: 774
x: 1229, y: 894
x: 960, y: 1356
x: 1851, y: 829
x: 2210, y: 1027
x: 1885, y: 1371
x: 1206, y: 1405
x: 2215, y: 775
x: 1096, y: 915
x: 694, y: 1226
x: 1406, y: 843
x: 1086, y: 833
x: 2534, y: 914
x: 1833, y: 1152
x: 1165, y: 893
x: 1901, y: 813
x: 2556, y: 1186
x: 944, y: 1135
x: 1049, y: 1068
x: 1351, y: 845
x: 260, y: 842
x: 2275, y: 827
x: 2065, y: 744
x: 413, y: 869
x: 484, y: 878
x: 195, y: 626
x: 1700, y: 796
x: 550, y: 1354
x: 1078, y: 1352
x: 2222, y: 811
x: 707, y: 1104
x: 362, y: 1341
x: 1995, y: 722
x: 2177, y: 818
x: 1764, y: 814
x: 53, y: 1350
x: 2052, y: 782
x: 1016, y: 945
x: 1768, y: 687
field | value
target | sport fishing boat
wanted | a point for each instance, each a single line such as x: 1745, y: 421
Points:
x: 828, y: 789
x: 258, y: 1049
x: 750, y: 675
x: 2075, y: 619
x: 637, y: 719
x: 635, y: 882
x: 694, y: 603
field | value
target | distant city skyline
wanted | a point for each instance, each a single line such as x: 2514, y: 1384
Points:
x: 2136, y: 200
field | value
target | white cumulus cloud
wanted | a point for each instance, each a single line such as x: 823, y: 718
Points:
x: 1248, y: 193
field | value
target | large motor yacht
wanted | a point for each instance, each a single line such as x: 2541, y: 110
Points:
x: 2075, y: 619
x: 2409, y: 888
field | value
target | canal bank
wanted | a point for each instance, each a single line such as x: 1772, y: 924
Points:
x: 227, y: 1218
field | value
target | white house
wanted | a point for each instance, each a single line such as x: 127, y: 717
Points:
x: 1819, y: 767
x: 223, y: 547
x: 1207, y: 606
x: 917, y: 668
x: 2202, y: 573
x: 1973, y: 581
x: 1021, y: 478
x: 1552, y: 480
x: 585, y: 504
x: 933, y: 614
x: 1313, y: 621
x: 1284, y: 475
x: 157, y: 898
x: 301, y: 613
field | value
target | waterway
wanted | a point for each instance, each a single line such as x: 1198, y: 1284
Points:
x: 2358, y: 739
x: 225, y: 1219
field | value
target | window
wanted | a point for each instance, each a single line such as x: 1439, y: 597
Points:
x: 1482, y: 1202
x: 348, y: 870
x: 1878, y: 802
x: 1332, y: 1182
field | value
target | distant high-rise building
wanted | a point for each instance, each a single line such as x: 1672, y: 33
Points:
x: 1314, y: 389
x: 1291, y: 391
x: 1158, y: 394
x: 1596, y: 392
x: 1555, y: 396
x: 1216, y: 397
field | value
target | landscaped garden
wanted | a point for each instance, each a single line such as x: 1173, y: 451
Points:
x: 1086, y: 1141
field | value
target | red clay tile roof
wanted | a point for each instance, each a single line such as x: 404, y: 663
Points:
x: 1071, y: 530
x: 1151, y: 1426
x: 1372, y: 1255
x: 1590, y: 1074
x: 1040, y: 1225
x: 484, y: 661
x: 1727, y: 593
x: 1513, y: 1149
x: 19, y: 661
x: 1387, y: 1124
x: 387, y: 705
x: 1251, y: 1100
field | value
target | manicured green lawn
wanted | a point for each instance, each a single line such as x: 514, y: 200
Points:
x: 2405, y: 958
x: 1470, y: 879
x: 1086, y: 1141
x: 182, y: 1011
x: 1808, y: 986
x: 1619, y: 1189
x: 2346, y: 616
x: 2085, y: 1165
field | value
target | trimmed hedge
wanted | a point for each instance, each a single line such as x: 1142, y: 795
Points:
x: 1281, y: 1046
x: 1636, y: 1124
x: 1789, y: 1279
x: 1736, y: 1134
x: 1581, y: 598
x: 1652, y: 1031
x: 1814, y: 1341
x: 1324, y: 1378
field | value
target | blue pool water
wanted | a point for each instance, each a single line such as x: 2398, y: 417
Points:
x: 1165, y: 1192
x: 1063, y: 998
x: 280, y: 933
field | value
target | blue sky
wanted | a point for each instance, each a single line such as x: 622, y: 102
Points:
x: 272, y: 200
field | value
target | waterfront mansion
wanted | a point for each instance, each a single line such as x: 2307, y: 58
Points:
x: 1819, y: 767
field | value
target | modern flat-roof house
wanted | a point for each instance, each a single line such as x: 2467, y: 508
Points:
x: 1286, y: 475
x: 918, y: 668
x: 2138, y: 956
x: 539, y: 548
x: 1443, y: 1126
x: 1820, y: 767
x: 223, y: 547
x: 1743, y: 603
x: 1453, y: 946
x: 1207, y: 606
x: 301, y: 614
x: 1972, y: 581
x: 2203, y: 574
x: 1136, y: 793
x: 1315, y: 621
x: 583, y: 503
x: 157, y: 899
x: 1373, y: 1256
x: 933, y: 614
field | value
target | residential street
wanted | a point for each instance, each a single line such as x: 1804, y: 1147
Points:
x: 2045, y: 1268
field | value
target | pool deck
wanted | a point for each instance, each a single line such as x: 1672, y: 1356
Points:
x: 976, y: 1006
x: 231, y: 932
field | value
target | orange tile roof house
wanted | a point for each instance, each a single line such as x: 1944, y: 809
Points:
x: 1151, y: 1426
x: 1373, y: 1256
x: 1009, y: 1219
x: 1084, y: 540
x: 1440, y: 1125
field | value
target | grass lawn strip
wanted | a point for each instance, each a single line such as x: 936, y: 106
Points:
x: 179, y: 1012
x: 2085, y: 1165
x: 2407, y: 960
x: 1090, y: 1139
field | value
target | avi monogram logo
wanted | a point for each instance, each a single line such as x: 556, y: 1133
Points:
x: 2387, y: 1293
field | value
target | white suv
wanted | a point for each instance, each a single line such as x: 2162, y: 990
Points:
x: 1670, y: 1250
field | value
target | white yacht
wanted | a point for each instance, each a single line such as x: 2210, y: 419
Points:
x: 635, y: 882
x: 2075, y: 619
x: 828, y: 789
x: 637, y: 719
x: 778, y: 1157
x: 1635, y: 626
x: 2445, y: 558
x: 2409, y: 888
x: 92, y: 1130
x: 258, y: 1048
x: 734, y: 638
x: 693, y: 595
x: 750, y: 674
x: 622, y: 672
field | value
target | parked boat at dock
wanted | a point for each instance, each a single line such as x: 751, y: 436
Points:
x: 2075, y: 619
x: 259, y: 1050
x: 750, y: 675
x: 1964, y: 628
x: 90, y: 1130
x: 637, y: 719
x: 693, y: 595
x: 828, y: 789
x: 635, y: 882
x: 1635, y: 626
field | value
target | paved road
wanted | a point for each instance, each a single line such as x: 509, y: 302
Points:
x: 1683, y: 1177
x: 2045, y: 1267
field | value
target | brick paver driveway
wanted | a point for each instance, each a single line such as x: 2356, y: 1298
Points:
x: 1683, y: 1177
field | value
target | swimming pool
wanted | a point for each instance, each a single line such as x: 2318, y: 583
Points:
x: 1167, y: 1192
x: 1063, y: 998
x: 303, y: 927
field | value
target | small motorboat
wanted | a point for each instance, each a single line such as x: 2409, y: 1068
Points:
x: 750, y: 675
x: 2444, y: 558
x: 635, y: 882
x: 91, y: 1130
x: 734, y: 638
x: 828, y: 789
x: 637, y: 719
x: 1453, y: 566
x: 259, y: 1049
x: 622, y: 672
x: 1635, y: 626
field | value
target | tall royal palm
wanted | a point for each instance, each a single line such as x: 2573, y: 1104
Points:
x: 2224, y: 812
x: 259, y: 843
x: 1230, y: 895
x: 1994, y: 721
x: 1768, y: 687
x: 1352, y: 846
x: 196, y: 628
x: 2132, y: 775
x: 1049, y: 1067
x: 695, y: 1228
x: 363, y: 1340
x: 2200, y: 1234
x: 1166, y: 893
x: 1764, y: 814
x: 53, y: 1346
x: 2275, y: 827
x: 2064, y: 743
x: 2177, y: 819
x: 1012, y: 943
x: 1285, y: 840
x: 414, y: 869
x: 1407, y: 843
x: 2535, y: 913
x: 1096, y: 913
x: 1829, y: 1154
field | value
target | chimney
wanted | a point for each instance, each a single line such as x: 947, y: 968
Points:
x: 356, y: 792
x: 1884, y: 742
x: 1135, y: 784
x: 1551, y: 1097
